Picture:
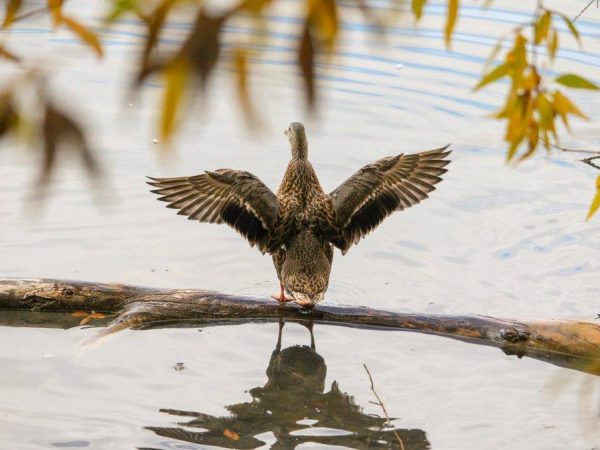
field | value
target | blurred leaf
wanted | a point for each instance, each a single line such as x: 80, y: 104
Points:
x: 494, y: 53
x: 231, y: 434
x: 254, y: 6
x: 563, y: 106
x: 55, y: 7
x: 323, y: 15
x: 12, y: 9
x: 417, y: 8
x: 119, y: 8
x: 495, y: 74
x: 575, y: 81
x: 519, y: 53
x: 176, y: 75
x: 451, y: 20
x: 542, y: 26
x: 571, y: 27
x: 533, y: 137
x: 8, y: 114
x: 85, y: 34
x: 60, y: 129
x: 532, y: 80
x: 6, y: 54
x: 203, y: 46
x: 155, y: 22
x: 552, y: 43
x: 546, y: 115
x: 241, y: 69
x: 88, y: 317
x: 306, y: 58
x: 596, y: 201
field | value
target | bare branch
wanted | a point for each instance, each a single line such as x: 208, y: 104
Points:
x: 380, y: 403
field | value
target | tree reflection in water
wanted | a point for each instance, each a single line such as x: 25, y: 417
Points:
x: 293, y: 393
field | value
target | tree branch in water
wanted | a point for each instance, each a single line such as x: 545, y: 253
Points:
x: 566, y: 343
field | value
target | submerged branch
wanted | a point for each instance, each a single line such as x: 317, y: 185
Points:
x: 573, y: 344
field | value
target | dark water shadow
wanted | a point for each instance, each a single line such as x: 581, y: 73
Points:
x: 294, y: 392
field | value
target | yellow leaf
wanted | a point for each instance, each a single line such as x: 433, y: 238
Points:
x: 85, y: 34
x: 231, y: 434
x: 533, y: 137
x: 532, y: 80
x: 596, y: 201
x: 571, y: 27
x: 176, y: 75
x: 552, y: 43
x: 494, y: 53
x: 451, y: 21
x: 323, y: 14
x: 255, y: 6
x: 306, y: 58
x: 541, y: 27
x: 519, y: 52
x: 12, y: 8
x: 4, y: 53
x: 546, y: 114
x: 55, y: 7
x: 417, y: 8
x: 495, y: 74
x: 241, y: 69
x: 563, y: 105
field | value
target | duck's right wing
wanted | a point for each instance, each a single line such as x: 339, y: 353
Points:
x: 234, y: 197
x: 390, y: 184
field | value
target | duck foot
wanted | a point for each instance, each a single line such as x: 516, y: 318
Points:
x: 282, y: 298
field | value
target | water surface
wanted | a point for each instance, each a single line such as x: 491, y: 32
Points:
x: 495, y: 240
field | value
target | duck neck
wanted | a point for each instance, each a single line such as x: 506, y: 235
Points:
x: 300, y: 149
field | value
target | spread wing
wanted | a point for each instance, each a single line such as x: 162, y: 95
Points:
x: 375, y: 191
x: 234, y: 197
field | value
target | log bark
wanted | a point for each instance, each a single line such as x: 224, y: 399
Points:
x: 573, y: 344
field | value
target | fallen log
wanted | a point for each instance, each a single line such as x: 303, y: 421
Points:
x: 573, y: 344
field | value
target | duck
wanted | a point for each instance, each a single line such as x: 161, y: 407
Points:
x: 301, y: 224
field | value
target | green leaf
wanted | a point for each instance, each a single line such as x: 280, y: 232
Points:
x: 575, y: 81
x: 596, y: 201
x: 572, y: 28
x: 496, y: 73
x: 119, y: 8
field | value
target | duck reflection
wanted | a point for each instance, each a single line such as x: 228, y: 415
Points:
x: 290, y: 409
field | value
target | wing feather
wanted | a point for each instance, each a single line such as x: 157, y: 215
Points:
x: 235, y: 197
x: 390, y: 184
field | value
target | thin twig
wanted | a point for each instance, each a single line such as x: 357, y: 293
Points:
x: 575, y: 150
x: 380, y: 403
x: 583, y: 10
x: 589, y: 162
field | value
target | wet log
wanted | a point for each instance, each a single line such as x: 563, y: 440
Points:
x: 574, y: 344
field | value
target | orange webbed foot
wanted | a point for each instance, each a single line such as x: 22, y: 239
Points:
x: 282, y: 298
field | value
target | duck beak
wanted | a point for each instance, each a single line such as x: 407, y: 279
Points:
x: 285, y: 132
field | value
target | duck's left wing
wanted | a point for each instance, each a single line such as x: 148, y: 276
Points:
x: 234, y: 197
x: 375, y: 191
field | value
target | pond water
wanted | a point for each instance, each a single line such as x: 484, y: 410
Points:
x: 493, y: 239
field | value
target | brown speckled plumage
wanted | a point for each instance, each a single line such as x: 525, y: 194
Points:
x: 300, y: 225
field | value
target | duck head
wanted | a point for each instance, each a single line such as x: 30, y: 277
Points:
x: 297, y: 137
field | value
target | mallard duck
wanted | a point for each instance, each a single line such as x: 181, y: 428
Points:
x: 300, y: 225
